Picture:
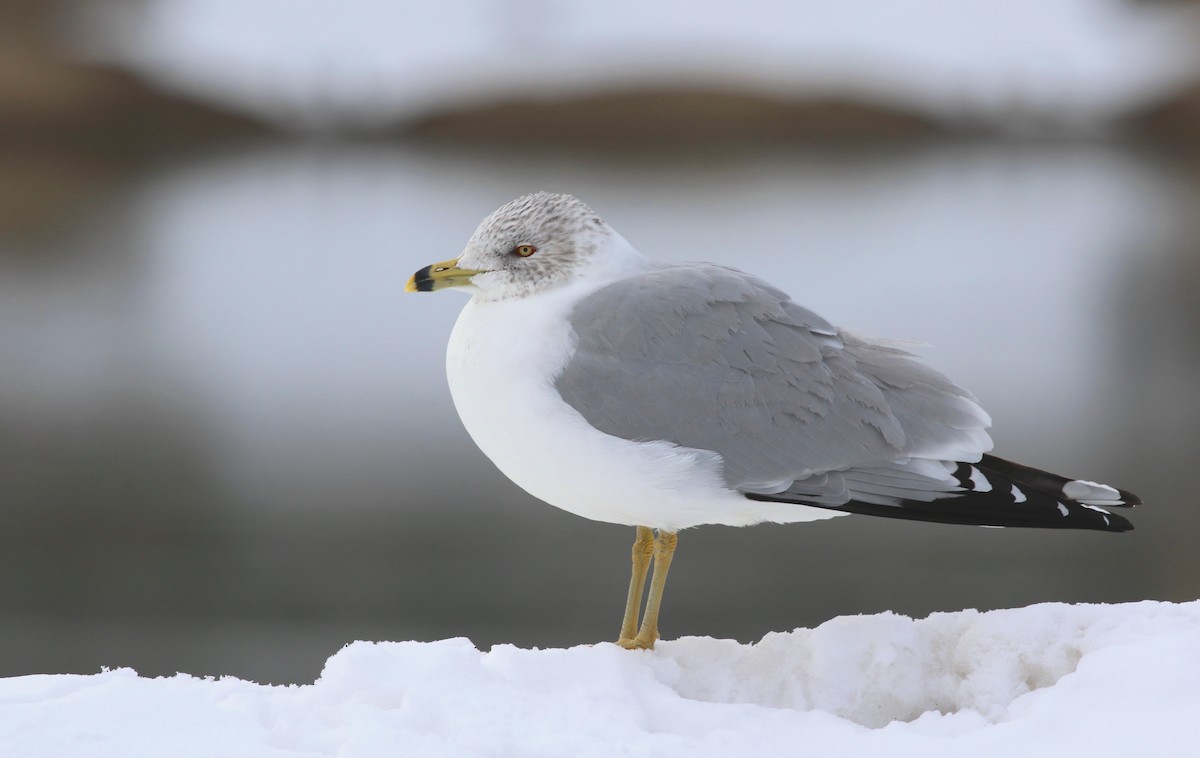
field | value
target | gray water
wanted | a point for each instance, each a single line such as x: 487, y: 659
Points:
x: 227, y: 447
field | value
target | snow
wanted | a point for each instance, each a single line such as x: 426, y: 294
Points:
x: 322, y: 64
x: 1047, y: 680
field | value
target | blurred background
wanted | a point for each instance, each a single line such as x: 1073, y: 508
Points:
x: 226, y: 442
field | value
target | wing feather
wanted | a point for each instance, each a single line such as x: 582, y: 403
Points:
x: 712, y: 358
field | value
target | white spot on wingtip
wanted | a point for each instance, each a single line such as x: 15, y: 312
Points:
x: 1081, y: 489
x: 1103, y: 513
x: 1017, y: 495
x: 1063, y: 510
x: 980, y: 481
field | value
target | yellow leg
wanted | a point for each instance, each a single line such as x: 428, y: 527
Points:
x: 664, y: 550
x: 643, y: 547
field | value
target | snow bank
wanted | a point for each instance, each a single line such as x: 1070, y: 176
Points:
x: 1044, y: 680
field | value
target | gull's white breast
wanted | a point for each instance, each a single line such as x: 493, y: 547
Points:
x: 501, y: 362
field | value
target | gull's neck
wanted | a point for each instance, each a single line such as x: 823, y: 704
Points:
x: 613, y: 258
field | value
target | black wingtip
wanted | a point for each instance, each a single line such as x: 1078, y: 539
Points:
x: 1129, y: 499
x: 997, y: 492
x: 1051, y: 484
x: 977, y: 509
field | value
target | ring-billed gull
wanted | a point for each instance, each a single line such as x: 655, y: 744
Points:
x: 666, y: 396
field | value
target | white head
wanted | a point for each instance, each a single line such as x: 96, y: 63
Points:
x: 534, y: 243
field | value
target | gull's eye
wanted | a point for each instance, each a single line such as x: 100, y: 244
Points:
x: 524, y: 250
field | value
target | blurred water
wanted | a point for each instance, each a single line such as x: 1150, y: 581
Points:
x: 227, y: 446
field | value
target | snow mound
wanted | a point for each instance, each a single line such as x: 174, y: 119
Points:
x: 1044, y: 680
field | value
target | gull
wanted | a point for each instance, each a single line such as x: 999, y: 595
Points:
x: 670, y: 395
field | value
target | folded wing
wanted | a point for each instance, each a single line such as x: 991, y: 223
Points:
x: 712, y: 358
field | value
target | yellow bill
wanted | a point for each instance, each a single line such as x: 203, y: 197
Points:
x: 439, y: 276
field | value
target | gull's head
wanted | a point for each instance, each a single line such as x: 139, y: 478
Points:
x: 534, y: 243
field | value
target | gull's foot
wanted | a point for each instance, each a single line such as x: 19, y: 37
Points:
x: 636, y: 643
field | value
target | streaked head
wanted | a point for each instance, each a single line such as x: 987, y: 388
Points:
x: 533, y: 243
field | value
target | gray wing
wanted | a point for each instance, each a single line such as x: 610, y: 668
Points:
x: 712, y: 358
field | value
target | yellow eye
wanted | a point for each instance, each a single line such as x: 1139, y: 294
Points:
x: 524, y: 250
